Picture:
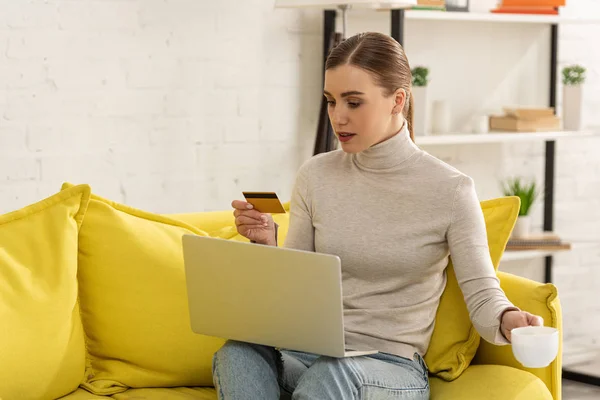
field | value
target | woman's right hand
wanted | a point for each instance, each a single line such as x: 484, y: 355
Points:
x: 253, y: 224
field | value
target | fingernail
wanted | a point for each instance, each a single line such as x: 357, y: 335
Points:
x: 265, y: 224
x: 249, y: 206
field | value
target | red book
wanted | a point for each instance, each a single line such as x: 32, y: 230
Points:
x: 532, y: 3
x: 526, y: 10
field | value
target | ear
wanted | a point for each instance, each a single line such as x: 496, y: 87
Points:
x: 400, y: 97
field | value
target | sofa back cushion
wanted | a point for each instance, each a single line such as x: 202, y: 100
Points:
x: 42, y: 349
x: 134, y: 304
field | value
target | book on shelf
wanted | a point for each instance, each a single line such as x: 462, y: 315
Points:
x: 544, y: 7
x: 526, y: 10
x: 540, y: 241
x: 510, y: 123
x: 438, y: 5
x: 529, y: 112
x: 533, y: 3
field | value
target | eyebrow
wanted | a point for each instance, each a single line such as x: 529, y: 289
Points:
x: 345, y: 94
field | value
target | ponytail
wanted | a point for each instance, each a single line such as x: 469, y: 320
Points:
x: 410, y: 114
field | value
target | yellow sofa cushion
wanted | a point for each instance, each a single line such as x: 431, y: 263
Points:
x: 455, y: 340
x: 180, y: 393
x: 490, y: 382
x: 539, y: 299
x: 221, y: 224
x: 81, y: 394
x: 134, y: 304
x: 42, y: 349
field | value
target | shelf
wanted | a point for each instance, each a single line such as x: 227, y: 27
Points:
x: 491, y: 17
x: 499, y: 137
x: 519, y: 255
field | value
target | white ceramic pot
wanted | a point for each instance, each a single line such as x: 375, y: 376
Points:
x: 522, y: 227
x: 440, y: 122
x: 421, y: 111
x: 571, y: 107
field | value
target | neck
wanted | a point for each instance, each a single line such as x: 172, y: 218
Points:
x: 391, y: 152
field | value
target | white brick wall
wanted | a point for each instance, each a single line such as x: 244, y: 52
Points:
x: 168, y: 105
x: 178, y: 105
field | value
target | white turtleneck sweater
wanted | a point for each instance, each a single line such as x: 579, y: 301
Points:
x: 393, y: 214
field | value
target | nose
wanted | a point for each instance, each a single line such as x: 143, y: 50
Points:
x: 338, y: 116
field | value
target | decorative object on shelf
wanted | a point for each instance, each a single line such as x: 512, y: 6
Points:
x: 326, y: 140
x: 420, y: 80
x: 528, y: 193
x: 457, y: 5
x: 541, y: 241
x: 480, y: 124
x: 573, y: 78
x: 525, y: 119
x: 437, y: 5
x: 545, y: 7
x: 440, y: 113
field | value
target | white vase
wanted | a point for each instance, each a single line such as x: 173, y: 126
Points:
x: 522, y: 227
x: 571, y: 106
x: 440, y: 122
x: 421, y: 111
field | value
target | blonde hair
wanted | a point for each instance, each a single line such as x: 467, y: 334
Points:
x: 382, y: 56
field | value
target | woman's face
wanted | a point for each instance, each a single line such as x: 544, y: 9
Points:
x: 360, y: 112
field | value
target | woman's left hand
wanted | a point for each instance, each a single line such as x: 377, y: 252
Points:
x: 516, y: 319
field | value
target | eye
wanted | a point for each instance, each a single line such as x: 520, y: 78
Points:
x: 330, y: 102
x: 353, y: 104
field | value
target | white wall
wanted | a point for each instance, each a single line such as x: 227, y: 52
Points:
x: 178, y: 105
x: 167, y: 105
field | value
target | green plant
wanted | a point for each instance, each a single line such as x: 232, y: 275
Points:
x: 527, y: 192
x: 420, y: 76
x: 573, y: 75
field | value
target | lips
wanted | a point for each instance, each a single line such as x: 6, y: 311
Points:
x: 345, y: 136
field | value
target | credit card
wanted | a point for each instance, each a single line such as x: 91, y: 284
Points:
x: 265, y: 202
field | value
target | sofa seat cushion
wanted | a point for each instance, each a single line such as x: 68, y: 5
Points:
x: 491, y: 382
x: 183, y: 393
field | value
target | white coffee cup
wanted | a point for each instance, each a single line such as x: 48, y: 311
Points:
x: 535, y: 346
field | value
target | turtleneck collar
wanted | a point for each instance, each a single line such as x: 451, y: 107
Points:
x: 388, y: 154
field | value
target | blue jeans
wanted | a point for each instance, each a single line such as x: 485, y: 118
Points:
x: 250, y: 371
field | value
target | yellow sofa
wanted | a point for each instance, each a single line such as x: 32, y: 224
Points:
x: 492, y: 374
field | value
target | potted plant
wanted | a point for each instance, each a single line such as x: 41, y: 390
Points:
x: 573, y: 77
x: 420, y: 79
x: 528, y: 193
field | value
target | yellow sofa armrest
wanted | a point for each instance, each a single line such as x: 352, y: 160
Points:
x: 539, y: 299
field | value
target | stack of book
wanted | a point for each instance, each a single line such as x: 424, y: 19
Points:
x: 541, y: 241
x: 430, y: 5
x: 548, y: 7
x: 525, y: 119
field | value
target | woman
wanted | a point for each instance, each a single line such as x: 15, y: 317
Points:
x: 393, y: 214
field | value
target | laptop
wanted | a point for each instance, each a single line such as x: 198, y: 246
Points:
x: 284, y: 298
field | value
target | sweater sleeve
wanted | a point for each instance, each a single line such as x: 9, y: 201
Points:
x: 301, y: 233
x: 467, y: 240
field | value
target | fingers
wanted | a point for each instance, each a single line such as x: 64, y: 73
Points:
x: 534, y: 320
x: 241, y: 205
x: 256, y: 215
x: 251, y: 222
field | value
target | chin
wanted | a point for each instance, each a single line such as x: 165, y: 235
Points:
x: 350, y: 148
